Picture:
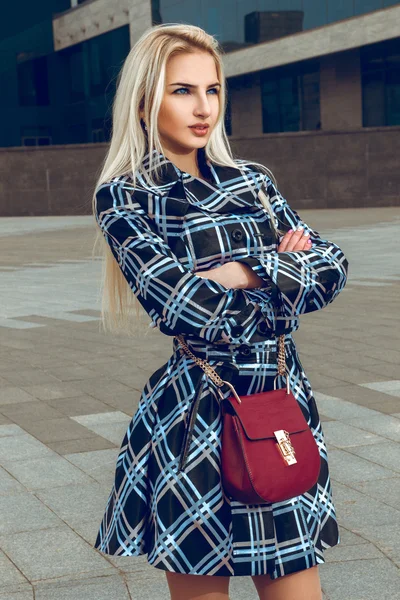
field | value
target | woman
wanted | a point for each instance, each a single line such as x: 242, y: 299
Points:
x: 193, y: 233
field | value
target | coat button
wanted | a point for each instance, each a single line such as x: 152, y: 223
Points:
x: 237, y: 234
x: 263, y: 328
x: 245, y: 349
x: 237, y: 330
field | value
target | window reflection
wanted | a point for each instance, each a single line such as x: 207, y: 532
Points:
x: 380, y: 76
x: 33, y: 81
x: 290, y: 98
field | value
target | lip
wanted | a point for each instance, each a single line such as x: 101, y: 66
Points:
x: 199, y: 130
x: 199, y: 126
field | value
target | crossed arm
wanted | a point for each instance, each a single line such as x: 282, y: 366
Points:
x: 226, y: 303
x: 239, y: 275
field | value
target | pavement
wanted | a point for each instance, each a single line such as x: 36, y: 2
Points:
x: 69, y: 390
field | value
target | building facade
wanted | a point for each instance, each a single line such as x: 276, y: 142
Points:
x: 314, y: 85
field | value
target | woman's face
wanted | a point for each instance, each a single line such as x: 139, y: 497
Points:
x: 191, y: 96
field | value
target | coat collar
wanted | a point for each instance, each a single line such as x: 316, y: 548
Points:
x: 226, y: 190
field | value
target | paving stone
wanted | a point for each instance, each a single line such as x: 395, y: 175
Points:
x: 47, y: 472
x: 105, y: 587
x: 114, y: 432
x: 4, y: 420
x: 342, y: 435
x: 51, y: 553
x: 72, y: 373
x: 156, y: 586
x: 112, y: 425
x: 96, y: 442
x: 24, y: 512
x: 347, y: 468
x: 341, y: 553
x: 357, y: 394
x: 342, y: 410
x: 29, y: 377
x: 57, y: 430
x: 99, y: 464
x: 9, y: 574
x: 81, y: 405
x: 12, y: 395
x: 384, y: 386
x: 22, y: 592
x: 386, y: 369
x: 388, y: 404
x: 348, y: 538
x: 386, y: 537
x: 357, y: 512
x: 88, y: 529
x: 102, y: 418
x: 10, y: 430
x: 388, y: 490
x: 76, y: 504
x: 386, y: 454
x: 30, y: 412
x: 49, y: 391
x: 9, y: 485
x: 347, y: 373
x: 104, y: 389
x: 360, y: 580
x: 384, y: 425
x: 21, y: 447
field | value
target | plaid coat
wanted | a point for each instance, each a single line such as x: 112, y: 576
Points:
x: 167, y: 500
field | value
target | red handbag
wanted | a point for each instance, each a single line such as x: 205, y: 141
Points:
x: 269, y: 453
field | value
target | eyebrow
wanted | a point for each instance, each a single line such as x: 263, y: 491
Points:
x: 190, y: 85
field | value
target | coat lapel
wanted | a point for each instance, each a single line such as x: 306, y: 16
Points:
x: 226, y: 190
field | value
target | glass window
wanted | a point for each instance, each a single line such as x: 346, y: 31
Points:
x: 380, y: 76
x: 33, y: 84
x: 36, y: 136
x: 290, y: 98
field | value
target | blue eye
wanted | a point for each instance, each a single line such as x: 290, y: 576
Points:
x: 187, y: 89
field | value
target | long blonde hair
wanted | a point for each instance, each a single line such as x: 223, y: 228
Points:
x: 140, y: 87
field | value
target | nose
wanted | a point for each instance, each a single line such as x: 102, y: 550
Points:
x: 202, y: 105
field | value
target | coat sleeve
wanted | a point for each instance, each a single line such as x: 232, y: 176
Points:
x: 303, y: 281
x: 176, y: 299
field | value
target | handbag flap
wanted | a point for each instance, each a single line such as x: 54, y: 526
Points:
x: 263, y: 413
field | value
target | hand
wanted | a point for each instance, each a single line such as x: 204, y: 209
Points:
x: 294, y: 240
x: 235, y: 275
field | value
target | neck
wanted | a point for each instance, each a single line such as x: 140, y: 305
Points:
x: 185, y: 161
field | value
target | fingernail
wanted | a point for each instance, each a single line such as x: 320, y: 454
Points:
x: 290, y: 230
x: 305, y: 234
x: 308, y: 241
x: 300, y: 228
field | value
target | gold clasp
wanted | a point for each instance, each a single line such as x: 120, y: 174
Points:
x: 285, y: 446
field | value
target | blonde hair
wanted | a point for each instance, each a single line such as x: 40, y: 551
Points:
x: 140, y: 88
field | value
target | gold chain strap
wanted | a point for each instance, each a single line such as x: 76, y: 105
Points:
x: 208, y: 369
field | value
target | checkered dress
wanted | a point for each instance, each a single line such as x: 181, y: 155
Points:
x: 176, y: 511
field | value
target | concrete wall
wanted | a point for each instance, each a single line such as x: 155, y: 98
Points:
x: 314, y: 170
x: 99, y: 16
x: 331, y: 169
x: 340, y: 90
x: 49, y: 180
x: 343, y: 35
